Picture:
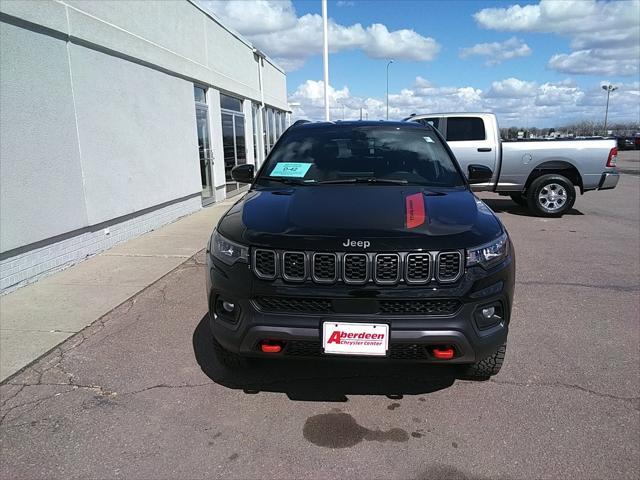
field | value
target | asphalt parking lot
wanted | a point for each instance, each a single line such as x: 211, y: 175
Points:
x: 139, y: 395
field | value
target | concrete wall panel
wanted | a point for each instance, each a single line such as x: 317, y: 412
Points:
x: 137, y: 133
x: 173, y: 24
x: 41, y: 188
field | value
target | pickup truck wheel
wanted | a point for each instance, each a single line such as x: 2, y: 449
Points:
x: 484, y: 369
x: 551, y: 195
x: 227, y: 358
x: 519, y: 198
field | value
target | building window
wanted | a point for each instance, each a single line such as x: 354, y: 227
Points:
x: 200, y: 94
x: 230, y: 103
x: 272, y: 128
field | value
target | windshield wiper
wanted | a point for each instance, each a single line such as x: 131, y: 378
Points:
x: 290, y: 181
x: 370, y: 180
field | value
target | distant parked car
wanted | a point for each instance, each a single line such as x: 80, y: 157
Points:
x: 636, y: 141
x: 625, y: 143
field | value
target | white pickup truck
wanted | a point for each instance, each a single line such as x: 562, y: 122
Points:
x: 540, y: 174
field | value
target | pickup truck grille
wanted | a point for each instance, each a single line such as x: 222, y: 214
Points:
x: 429, y: 307
x: 414, y: 268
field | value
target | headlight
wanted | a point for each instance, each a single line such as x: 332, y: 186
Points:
x: 227, y: 251
x: 489, y: 254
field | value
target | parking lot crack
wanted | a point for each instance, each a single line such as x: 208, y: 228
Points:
x: 633, y: 400
x: 163, y: 385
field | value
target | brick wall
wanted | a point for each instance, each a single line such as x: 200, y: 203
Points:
x: 29, y: 266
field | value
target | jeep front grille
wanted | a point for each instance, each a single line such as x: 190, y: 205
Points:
x: 387, y: 268
x: 419, y: 307
x: 294, y: 305
x: 418, y: 268
x: 449, y: 266
x: 412, y: 268
x: 433, y: 307
x: 325, y: 267
x: 294, y: 266
x: 355, y: 268
x: 264, y: 263
x: 397, y: 351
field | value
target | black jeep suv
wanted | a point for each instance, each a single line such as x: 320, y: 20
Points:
x: 361, y: 239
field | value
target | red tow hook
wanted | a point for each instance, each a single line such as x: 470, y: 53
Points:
x: 270, y: 346
x: 444, y: 352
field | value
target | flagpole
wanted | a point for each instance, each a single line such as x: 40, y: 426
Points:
x: 325, y: 28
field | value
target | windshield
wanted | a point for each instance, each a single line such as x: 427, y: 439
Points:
x: 343, y: 154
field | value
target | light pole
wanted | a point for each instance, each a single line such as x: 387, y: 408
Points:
x: 389, y: 63
x: 609, y: 88
x: 325, y: 58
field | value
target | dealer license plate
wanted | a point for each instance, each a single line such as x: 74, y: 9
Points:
x: 355, y: 338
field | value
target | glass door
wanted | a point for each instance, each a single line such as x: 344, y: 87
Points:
x: 204, y: 144
x: 204, y: 150
x: 233, y: 143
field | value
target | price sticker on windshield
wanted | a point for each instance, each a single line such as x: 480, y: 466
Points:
x: 290, y: 169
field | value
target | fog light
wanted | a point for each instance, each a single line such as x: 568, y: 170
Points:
x: 489, y: 316
x: 488, y: 312
x: 226, y: 310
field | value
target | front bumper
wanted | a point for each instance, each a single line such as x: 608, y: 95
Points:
x: 410, y: 335
x: 608, y: 180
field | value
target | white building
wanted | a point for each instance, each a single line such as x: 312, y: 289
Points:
x: 117, y: 117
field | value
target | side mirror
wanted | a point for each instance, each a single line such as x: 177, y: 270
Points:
x: 243, y: 173
x: 479, y: 174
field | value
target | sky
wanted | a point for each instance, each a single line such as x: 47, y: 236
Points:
x: 537, y: 64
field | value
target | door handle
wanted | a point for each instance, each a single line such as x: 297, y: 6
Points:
x: 484, y: 149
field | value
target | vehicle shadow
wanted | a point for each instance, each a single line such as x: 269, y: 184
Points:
x: 504, y: 205
x: 322, y: 381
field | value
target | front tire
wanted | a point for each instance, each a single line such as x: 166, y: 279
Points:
x: 551, y: 195
x: 487, y: 367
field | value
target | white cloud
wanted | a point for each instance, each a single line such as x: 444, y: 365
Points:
x: 516, y: 102
x: 511, y: 88
x: 401, y: 44
x: 497, y: 52
x: 596, y: 61
x: 274, y: 27
x: 605, y: 36
x: 261, y: 16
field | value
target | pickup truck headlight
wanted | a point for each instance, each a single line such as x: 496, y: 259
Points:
x: 227, y: 251
x: 489, y: 254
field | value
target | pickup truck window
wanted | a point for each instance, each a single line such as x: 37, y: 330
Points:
x: 465, y: 128
x: 344, y: 154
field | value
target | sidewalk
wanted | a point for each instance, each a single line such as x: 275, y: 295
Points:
x: 36, y: 318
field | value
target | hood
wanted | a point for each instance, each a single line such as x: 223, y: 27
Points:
x: 332, y: 217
